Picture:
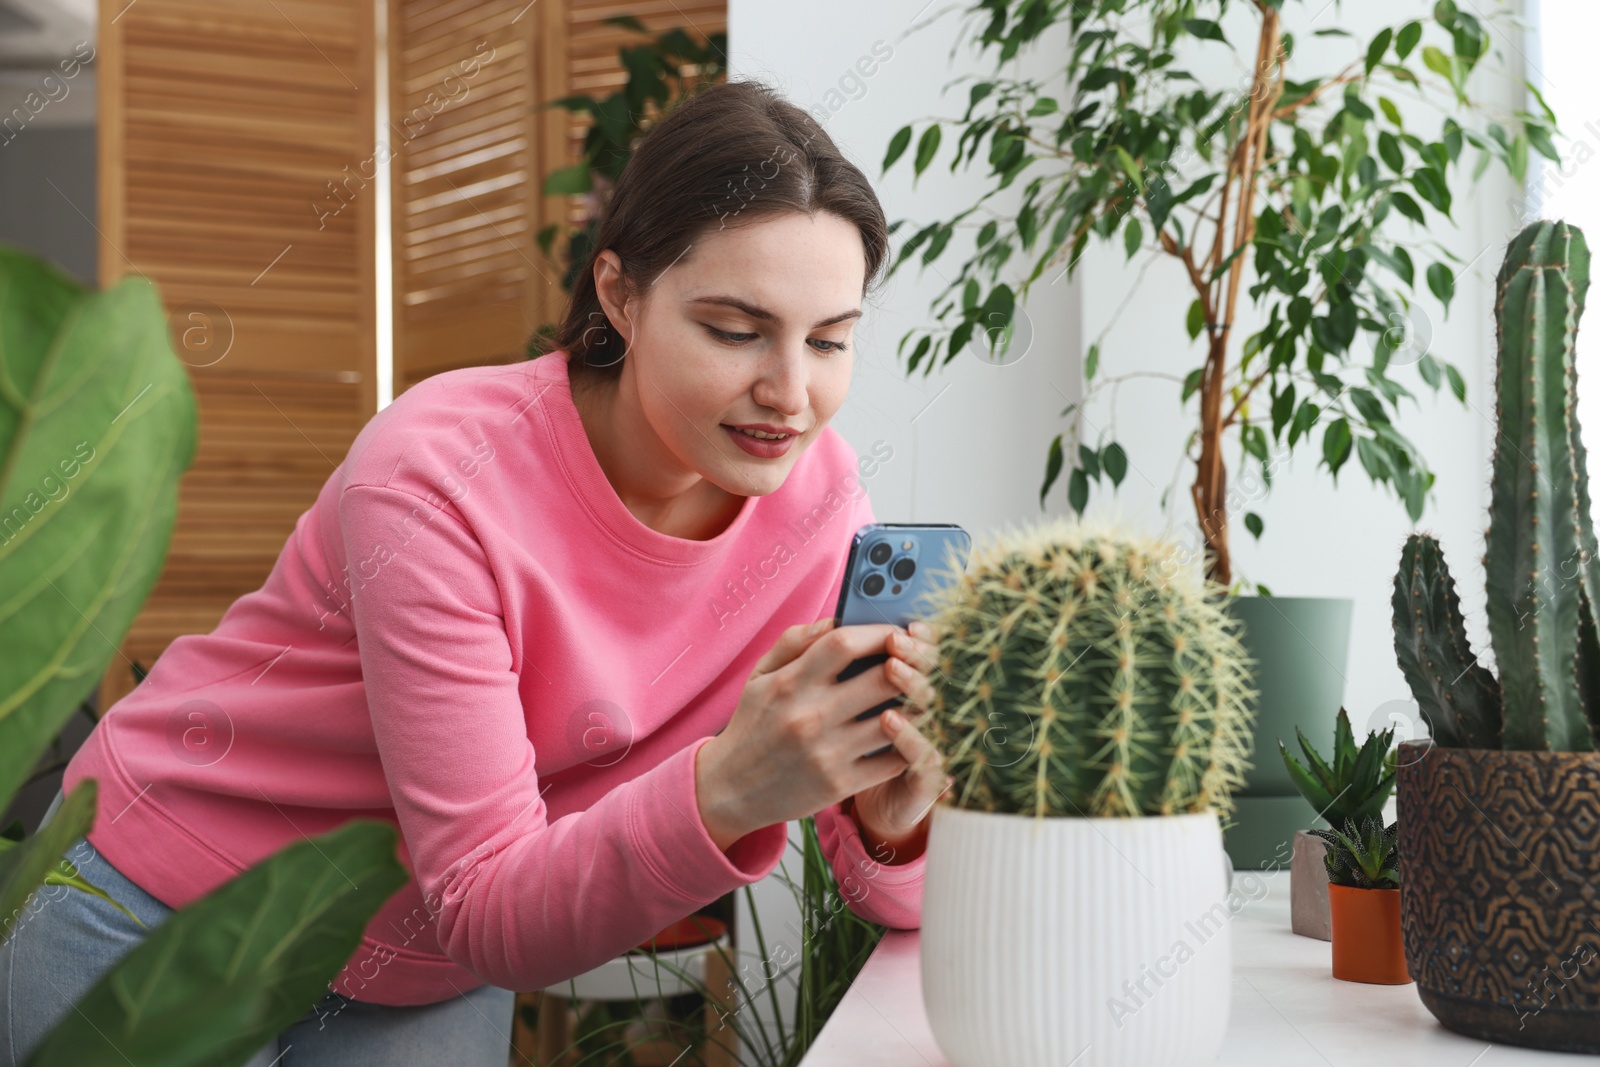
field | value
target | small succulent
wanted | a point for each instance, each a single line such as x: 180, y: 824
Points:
x: 1364, y: 855
x: 1356, y: 784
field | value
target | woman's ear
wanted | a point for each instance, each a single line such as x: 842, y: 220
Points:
x: 611, y: 289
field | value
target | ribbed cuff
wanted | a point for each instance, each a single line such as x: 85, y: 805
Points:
x: 664, y: 820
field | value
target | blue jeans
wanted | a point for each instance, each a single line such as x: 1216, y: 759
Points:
x: 64, y: 940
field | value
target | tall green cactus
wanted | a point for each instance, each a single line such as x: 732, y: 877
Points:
x: 1541, y: 567
x: 1083, y: 672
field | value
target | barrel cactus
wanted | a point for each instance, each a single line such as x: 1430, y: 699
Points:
x: 1088, y: 672
x: 1542, y: 574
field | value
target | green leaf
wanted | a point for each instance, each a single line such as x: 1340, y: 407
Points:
x: 1196, y: 320
x: 1115, y: 462
x: 1091, y: 362
x: 1430, y: 185
x: 1539, y: 137
x: 1336, y: 444
x: 1282, y: 408
x: 1078, y: 490
x: 1407, y: 39
x: 1458, y: 385
x: 1089, y: 460
x: 1389, y: 151
x: 1052, y: 468
x: 1442, y: 283
x: 897, y: 147
x: 568, y: 181
x: 1129, y: 167
x: 927, y: 148
x: 1390, y: 112
x: 1204, y: 28
x: 1379, y: 45
x: 1407, y: 207
x: 222, y: 976
x: 1132, y: 236
x: 25, y: 866
x: 1191, y: 383
x: 94, y: 466
x: 1304, y: 419
x: 1435, y: 60
x: 1373, y: 459
x: 1252, y: 522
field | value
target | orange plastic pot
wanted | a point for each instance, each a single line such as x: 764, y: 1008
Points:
x: 1366, y: 935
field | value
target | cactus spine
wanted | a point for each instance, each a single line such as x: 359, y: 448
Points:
x: 1541, y: 567
x: 1086, y: 673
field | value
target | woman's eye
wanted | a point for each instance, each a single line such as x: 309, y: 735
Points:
x: 833, y: 346
x: 730, y: 338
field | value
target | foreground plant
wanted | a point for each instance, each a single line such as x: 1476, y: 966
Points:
x: 97, y: 426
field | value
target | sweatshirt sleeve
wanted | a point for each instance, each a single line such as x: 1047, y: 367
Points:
x: 520, y: 901
x: 886, y: 893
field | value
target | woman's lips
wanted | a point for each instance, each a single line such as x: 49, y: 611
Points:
x: 757, y: 447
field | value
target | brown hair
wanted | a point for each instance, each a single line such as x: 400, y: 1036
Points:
x: 733, y: 153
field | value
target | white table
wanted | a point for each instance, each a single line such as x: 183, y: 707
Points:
x: 1287, y: 1007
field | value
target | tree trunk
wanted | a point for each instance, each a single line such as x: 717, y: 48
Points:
x: 1211, y: 473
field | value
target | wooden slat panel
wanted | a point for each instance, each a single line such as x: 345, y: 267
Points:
x: 468, y: 275
x: 222, y: 125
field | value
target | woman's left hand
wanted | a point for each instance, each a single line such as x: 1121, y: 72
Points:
x: 894, y: 811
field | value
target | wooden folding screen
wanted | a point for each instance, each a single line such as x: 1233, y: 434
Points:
x: 239, y: 151
x: 221, y: 124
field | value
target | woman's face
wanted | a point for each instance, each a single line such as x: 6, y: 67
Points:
x: 752, y: 325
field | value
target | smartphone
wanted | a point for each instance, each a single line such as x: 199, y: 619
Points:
x: 893, y: 570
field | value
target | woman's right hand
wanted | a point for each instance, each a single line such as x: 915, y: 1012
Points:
x: 792, y: 746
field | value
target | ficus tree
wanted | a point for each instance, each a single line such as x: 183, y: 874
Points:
x: 1314, y: 193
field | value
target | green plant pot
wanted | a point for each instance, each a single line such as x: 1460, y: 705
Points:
x: 1301, y: 646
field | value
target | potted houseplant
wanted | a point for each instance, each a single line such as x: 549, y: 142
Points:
x: 1353, y: 786
x: 1290, y: 184
x: 1092, y: 705
x: 1498, y: 812
x: 1363, y: 865
x: 97, y: 427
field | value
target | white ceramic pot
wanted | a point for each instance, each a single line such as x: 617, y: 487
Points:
x: 1091, y: 942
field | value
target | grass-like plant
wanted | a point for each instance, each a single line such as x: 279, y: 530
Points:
x: 1355, y: 784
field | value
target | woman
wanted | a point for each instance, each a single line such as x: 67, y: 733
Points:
x: 566, y: 622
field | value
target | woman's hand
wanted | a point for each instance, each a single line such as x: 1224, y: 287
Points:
x: 892, y: 814
x: 793, y: 745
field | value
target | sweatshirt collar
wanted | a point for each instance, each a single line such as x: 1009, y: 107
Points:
x: 549, y: 386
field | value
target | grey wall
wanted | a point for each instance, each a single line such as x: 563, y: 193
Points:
x: 47, y: 195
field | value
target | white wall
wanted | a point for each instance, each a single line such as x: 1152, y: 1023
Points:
x: 976, y: 455
x: 968, y: 441
x: 1323, y: 539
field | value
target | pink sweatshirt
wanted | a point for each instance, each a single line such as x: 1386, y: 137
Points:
x: 470, y: 636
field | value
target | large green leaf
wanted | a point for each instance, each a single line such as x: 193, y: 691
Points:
x: 221, y: 977
x: 97, y: 424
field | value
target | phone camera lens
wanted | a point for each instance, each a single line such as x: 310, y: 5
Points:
x: 903, y: 568
x: 879, y: 553
x: 872, y: 585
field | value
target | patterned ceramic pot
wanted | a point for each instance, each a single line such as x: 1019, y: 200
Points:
x: 1090, y: 942
x: 1500, y: 878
